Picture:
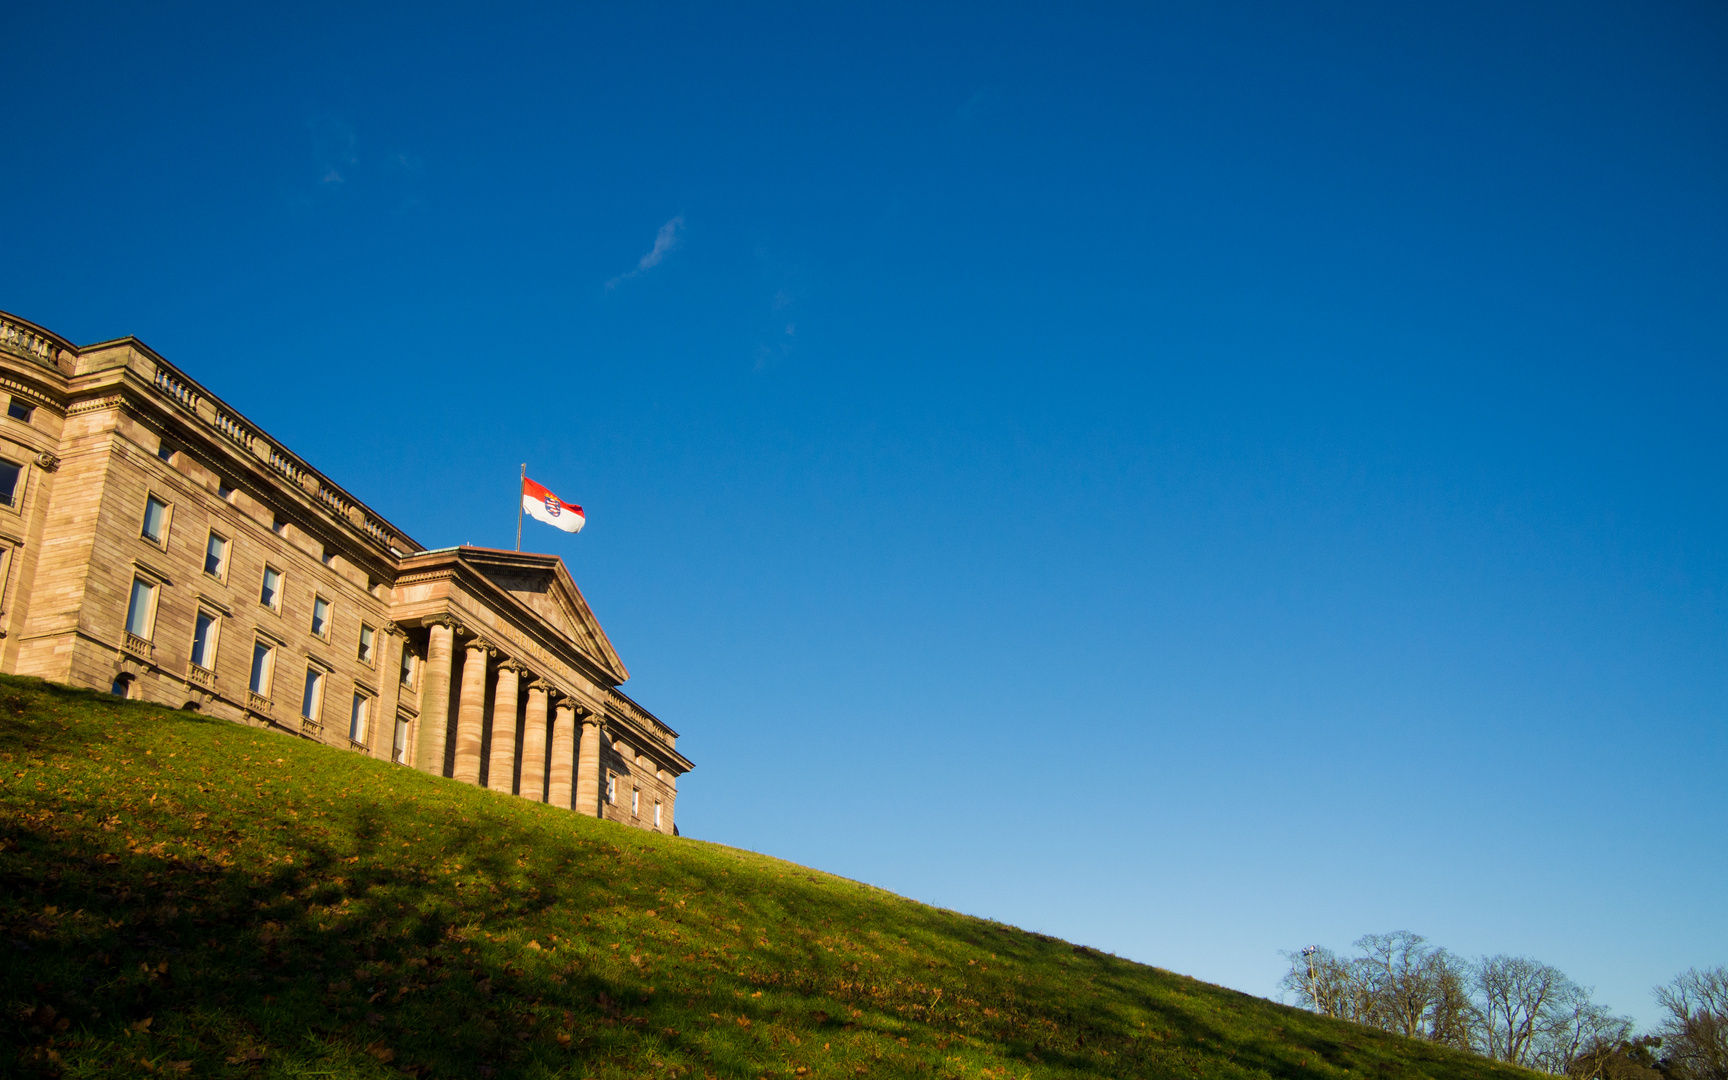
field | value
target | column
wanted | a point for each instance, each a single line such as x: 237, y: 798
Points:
x: 435, y: 698
x: 534, y: 743
x: 588, y: 769
x: 501, y: 763
x: 471, y: 712
x: 388, y: 641
x: 563, y: 748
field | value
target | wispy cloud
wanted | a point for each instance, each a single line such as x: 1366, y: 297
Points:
x: 664, y: 241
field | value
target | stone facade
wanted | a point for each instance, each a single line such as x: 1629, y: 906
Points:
x: 157, y: 544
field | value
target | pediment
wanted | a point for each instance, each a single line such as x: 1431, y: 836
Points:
x: 542, y: 584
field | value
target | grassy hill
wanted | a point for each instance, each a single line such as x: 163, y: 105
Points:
x: 186, y: 896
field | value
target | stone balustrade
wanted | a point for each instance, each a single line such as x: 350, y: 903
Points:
x: 20, y: 337
x: 192, y: 399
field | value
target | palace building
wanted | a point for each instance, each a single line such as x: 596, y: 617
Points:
x: 157, y: 544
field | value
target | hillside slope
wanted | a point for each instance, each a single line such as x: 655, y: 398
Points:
x: 189, y: 896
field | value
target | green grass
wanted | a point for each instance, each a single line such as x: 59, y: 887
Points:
x: 188, y: 896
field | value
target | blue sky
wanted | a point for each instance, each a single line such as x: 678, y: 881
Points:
x: 1194, y: 479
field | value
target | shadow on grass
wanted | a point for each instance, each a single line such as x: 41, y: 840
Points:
x: 180, y: 890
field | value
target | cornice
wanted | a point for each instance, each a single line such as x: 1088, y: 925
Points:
x: 451, y: 565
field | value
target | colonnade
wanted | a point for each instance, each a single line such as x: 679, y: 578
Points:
x: 564, y: 764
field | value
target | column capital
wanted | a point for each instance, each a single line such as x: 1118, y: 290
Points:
x: 480, y: 644
x: 564, y: 704
x: 391, y: 629
x: 442, y: 620
x: 512, y: 664
x: 542, y: 685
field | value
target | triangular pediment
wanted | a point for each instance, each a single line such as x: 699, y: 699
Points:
x: 543, y: 585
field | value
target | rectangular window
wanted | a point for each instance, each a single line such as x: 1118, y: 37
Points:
x: 329, y: 557
x: 399, y: 746
x: 357, y: 718
x: 313, y: 699
x: 19, y: 409
x: 367, y: 637
x: 216, y: 557
x: 320, y: 616
x: 204, y: 641
x: 278, y: 526
x: 263, y: 662
x: 271, y: 594
x: 9, y: 473
x: 224, y: 490
x: 611, y: 789
x: 635, y: 801
x: 165, y: 450
x: 656, y: 813
x: 409, y: 663
x: 138, y: 609
x: 155, y: 520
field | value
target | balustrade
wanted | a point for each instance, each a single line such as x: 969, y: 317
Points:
x: 28, y: 341
x: 177, y: 389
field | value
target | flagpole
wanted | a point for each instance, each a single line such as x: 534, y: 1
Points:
x: 519, y: 488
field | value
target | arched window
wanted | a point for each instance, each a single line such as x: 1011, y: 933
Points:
x: 122, y: 687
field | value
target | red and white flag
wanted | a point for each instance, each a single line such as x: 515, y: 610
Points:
x: 542, y: 505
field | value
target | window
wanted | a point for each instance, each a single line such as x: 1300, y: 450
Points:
x: 263, y: 664
x: 367, y: 637
x: 278, y: 526
x: 204, y: 641
x: 155, y: 520
x: 271, y: 593
x: 19, y: 409
x: 399, y: 747
x: 216, y: 557
x: 320, y: 616
x: 656, y: 813
x: 611, y: 789
x: 9, y: 474
x: 122, y: 687
x: 635, y: 801
x: 140, y: 608
x: 165, y: 450
x: 410, y: 663
x: 313, y: 699
x: 357, y: 719
x: 224, y: 490
x: 329, y: 557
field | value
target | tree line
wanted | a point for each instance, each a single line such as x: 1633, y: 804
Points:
x: 1514, y: 1009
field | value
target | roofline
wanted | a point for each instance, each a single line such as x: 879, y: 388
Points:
x: 276, y: 445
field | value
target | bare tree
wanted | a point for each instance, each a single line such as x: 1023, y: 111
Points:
x: 1575, y: 1027
x: 1695, y: 1034
x: 1397, y: 980
x: 1509, y: 1008
x: 1452, y: 1016
x: 1515, y: 1001
x: 1321, y: 982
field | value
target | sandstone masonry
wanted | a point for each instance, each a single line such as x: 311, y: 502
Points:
x: 157, y: 544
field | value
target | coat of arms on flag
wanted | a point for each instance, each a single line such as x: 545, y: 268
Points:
x: 541, y: 505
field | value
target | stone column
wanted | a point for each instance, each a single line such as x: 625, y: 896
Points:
x: 471, y: 712
x: 434, y: 698
x: 588, y: 769
x: 563, y: 749
x: 388, y: 641
x: 534, y: 743
x: 501, y: 763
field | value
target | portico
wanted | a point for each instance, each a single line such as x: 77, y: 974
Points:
x: 518, y: 690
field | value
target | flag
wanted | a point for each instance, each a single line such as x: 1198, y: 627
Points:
x: 542, y: 505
